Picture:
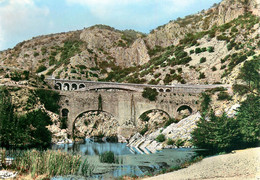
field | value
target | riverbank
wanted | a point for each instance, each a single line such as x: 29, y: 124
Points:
x: 238, y: 165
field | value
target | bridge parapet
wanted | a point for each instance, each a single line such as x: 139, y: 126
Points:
x: 81, y: 85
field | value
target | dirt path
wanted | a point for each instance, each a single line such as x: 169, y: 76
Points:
x: 240, y: 165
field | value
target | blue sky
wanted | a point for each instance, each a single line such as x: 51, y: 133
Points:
x: 23, y: 19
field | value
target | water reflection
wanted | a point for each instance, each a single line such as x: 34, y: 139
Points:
x: 131, y: 162
x: 94, y: 148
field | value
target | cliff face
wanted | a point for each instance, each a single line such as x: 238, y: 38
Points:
x: 226, y: 11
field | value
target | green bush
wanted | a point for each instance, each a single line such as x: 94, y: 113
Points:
x: 169, y: 122
x: 202, y: 60
x: 16, y: 76
x: 150, y: 94
x: 210, y: 49
x: 224, y: 96
x: 144, y: 130
x: 205, y: 101
x: 107, y: 157
x: 73, y: 71
x: 192, y: 51
x: 214, y: 68
x: 198, y: 50
x: 160, y: 138
x: 49, y: 98
x: 202, y: 76
x: 35, y: 54
x: 41, y: 68
x: 169, y: 141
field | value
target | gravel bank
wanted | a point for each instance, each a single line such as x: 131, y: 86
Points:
x: 239, y: 165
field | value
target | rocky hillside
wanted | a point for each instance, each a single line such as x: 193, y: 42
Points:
x: 196, y: 49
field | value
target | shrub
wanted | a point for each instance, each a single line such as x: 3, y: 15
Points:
x: 144, y: 116
x: 160, y: 138
x: 35, y: 54
x: 203, y: 49
x: 73, y: 71
x: 144, y: 130
x: 192, y: 51
x: 210, y: 49
x: 169, y: 122
x: 49, y: 98
x: 170, y: 142
x: 202, y: 60
x: 202, y: 76
x: 214, y: 68
x: 150, y: 94
x: 198, y: 50
x: 224, y: 96
x: 205, y: 102
x: 107, y: 157
x: 16, y: 76
x: 234, y: 29
x: 41, y: 68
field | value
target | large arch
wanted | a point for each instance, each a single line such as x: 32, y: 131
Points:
x: 146, y: 112
x: 85, y: 112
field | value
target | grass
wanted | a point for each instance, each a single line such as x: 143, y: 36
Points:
x: 49, y: 163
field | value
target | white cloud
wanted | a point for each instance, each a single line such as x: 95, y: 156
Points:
x: 19, y: 18
x: 116, y: 12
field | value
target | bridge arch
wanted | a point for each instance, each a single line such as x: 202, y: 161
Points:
x: 58, y: 86
x: 146, y: 112
x: 82, y: 86
x: 66, y: 86
x: 86, y: 123
x: 74, y: 86
x: 184, y: 110
x: 64, y: 113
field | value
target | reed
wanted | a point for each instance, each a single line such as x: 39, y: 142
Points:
x: 50, y: 163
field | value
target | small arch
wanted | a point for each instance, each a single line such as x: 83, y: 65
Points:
x: 67, y: 102
x: 66, y: 87
x: 161, y: 90
x: 183, y: 108
x: 74, y: 86
x: 168, y: 90
x: 64, y: 113
x: 82, y: 86
x: 57, y: 86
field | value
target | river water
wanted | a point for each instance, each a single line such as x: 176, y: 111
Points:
x: 131, y: 161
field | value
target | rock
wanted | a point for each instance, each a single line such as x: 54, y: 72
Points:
x: 181, y: 130
x: 7, y: 174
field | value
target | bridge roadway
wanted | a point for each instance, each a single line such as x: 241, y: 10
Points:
x: 124, y: 101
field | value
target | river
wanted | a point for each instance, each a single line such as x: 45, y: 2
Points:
x: 131, y: 161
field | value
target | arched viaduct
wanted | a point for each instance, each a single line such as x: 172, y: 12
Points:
x: 124, y: 101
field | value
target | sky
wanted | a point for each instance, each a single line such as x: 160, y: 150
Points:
x: 23, y: 19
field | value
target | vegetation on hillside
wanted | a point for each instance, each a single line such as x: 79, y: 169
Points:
x: 24, y: 130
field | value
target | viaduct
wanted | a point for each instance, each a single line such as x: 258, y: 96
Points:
x: 122, y: 100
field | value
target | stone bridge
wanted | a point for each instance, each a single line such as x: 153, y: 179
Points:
x: 124, y: 101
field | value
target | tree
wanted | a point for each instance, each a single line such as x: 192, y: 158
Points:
x: 150, y: 93
x: 249, y: 120
x: 250, y: 74
x: 218, y: 134
x: 6, y: 118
